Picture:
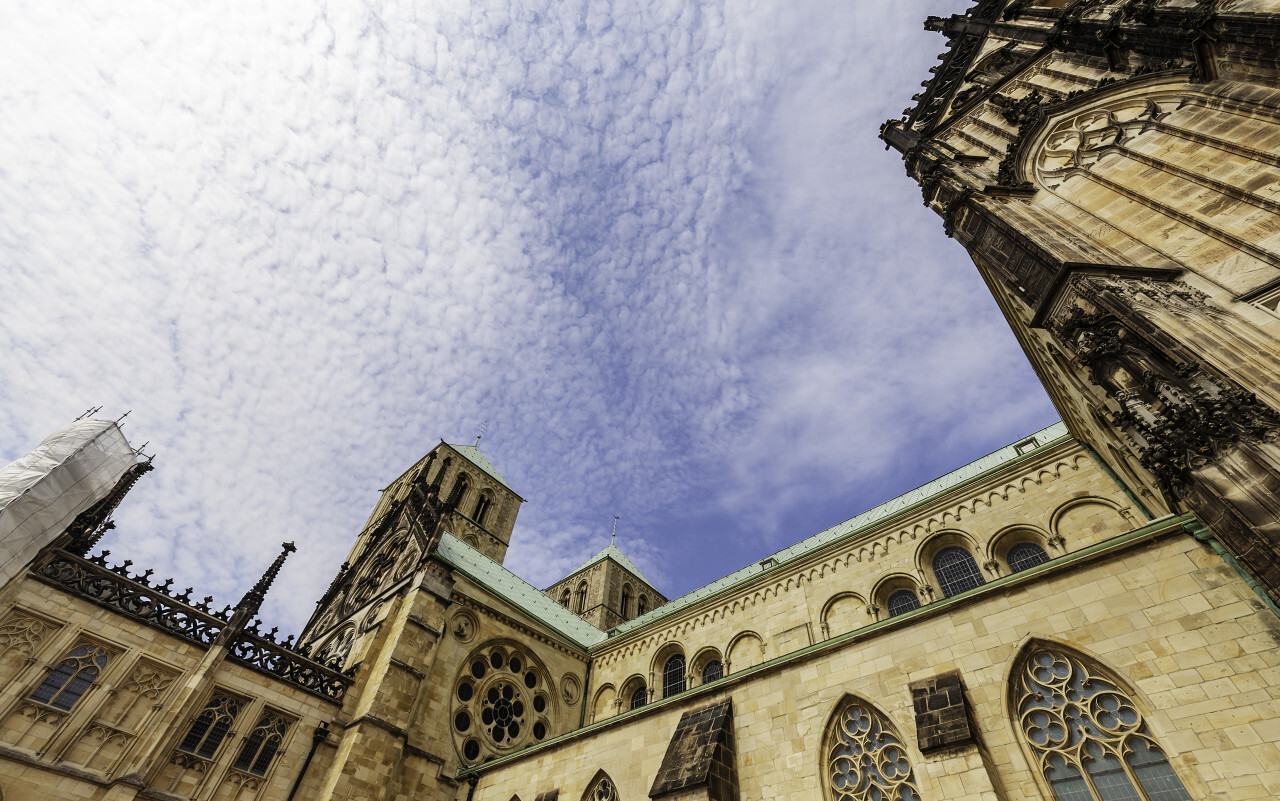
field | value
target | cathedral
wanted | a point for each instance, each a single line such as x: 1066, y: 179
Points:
x: 1087, y: 614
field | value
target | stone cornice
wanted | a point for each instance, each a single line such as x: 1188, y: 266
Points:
x: 857, y: 545
x: 542, y: 637
x: 1165, y: 526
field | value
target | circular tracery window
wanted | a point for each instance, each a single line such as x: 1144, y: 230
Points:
x: 500, y: 702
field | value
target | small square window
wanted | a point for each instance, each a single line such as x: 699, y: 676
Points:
x: 1026, y: 446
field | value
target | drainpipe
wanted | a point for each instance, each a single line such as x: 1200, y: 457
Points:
x: 1197, y: 529
x: 472, y: 781
x: 318, y: 736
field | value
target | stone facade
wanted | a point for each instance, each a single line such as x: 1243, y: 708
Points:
x: 1111, y: 169
x: 1087, y: 613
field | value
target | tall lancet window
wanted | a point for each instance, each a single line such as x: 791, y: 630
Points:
x: 460, y: 488
x: 625, y: 610
x: 482, y: 509
x: 1086, y: 735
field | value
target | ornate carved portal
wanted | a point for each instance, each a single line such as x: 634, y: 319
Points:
x: 1212, y: 445
x: 1176, y: 415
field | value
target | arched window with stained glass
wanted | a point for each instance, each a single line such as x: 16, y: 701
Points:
x: 601, y: 788
x: 73, y: 676
x: 864, y: 758
x: 1086, y: 735
x: 712, y: 670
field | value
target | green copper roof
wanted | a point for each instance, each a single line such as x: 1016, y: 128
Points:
x: 854, y: 524
x: 473, y: 454
x: 517, y: 592
x: 616, y: 555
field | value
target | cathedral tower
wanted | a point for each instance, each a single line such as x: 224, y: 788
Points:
x: 606, y: 590
x: 1111, y: 168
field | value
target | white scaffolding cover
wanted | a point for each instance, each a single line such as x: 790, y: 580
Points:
x: 42, y: 492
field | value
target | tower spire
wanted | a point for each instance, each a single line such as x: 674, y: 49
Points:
x: 253, y: 599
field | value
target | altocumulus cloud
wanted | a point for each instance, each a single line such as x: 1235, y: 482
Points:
x: 656, y: 244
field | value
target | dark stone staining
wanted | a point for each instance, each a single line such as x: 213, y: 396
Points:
x: 942, y: 713
x: 702, y: 755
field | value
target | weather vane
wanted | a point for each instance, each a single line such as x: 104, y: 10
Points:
x: 614, y: 535
x: 481, y: 430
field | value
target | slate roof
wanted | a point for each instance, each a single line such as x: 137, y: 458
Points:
x: 1043, y: 437
x: 517, y: 592
x: 473, y: 455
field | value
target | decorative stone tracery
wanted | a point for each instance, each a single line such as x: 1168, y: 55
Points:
x: 865, y: 759
x: 1088, y: 738
x: 502, y: 699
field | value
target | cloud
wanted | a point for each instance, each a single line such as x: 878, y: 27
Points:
x: 656, y: 245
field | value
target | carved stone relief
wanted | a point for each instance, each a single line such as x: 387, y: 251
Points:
x: 1076, y: 143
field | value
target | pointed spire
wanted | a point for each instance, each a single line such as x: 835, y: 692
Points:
x: 91, y: 524
x: 253, y: 599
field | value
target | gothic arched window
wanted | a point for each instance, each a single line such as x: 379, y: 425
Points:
x: 956, y: 571
x: 73, y: 676
x: 1085, y: 733
x: 865, y: 758
x: 712, y: 671
x: 261, y: 745
x: 643, y: 606
x: 902, y: 601
x: 639, y: 697
x: 565, y: 598
x: 1025, y: 555
x: 673, y: 676
x: 601, y: 789
x: 212, y: 726
x: 582, y: 598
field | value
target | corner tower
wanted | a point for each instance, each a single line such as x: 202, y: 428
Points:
x: 607, y: 590
x: 480, y: 506
x: 452, y: 489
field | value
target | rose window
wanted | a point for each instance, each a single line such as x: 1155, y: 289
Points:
x: 502, y: 712
x: 501, y: 702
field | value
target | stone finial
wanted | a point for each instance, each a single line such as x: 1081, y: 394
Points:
x: 253, y: 599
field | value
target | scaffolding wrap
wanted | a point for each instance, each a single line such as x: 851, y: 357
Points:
x: 43, y: 492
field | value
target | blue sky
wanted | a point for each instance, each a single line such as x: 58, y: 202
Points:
x: 657, y: 245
